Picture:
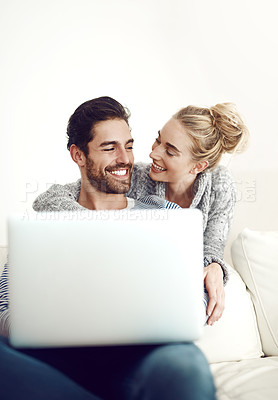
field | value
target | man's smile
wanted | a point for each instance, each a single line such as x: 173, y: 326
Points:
x: 119, y: 172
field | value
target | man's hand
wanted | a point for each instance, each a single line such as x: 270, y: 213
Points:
x: 213, y: 278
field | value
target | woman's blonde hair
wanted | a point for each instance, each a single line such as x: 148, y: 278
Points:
x: 213, y: 131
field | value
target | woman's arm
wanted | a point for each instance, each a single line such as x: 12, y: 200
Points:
x: 59, y: 198
x: 142, y: 185
x: 215, y: 236
x: 213, y: 279
x: 223, y: 197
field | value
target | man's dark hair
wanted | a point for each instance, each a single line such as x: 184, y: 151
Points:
x: 80, y: 130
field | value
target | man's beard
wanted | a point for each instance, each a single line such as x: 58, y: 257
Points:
x: 105, y: 182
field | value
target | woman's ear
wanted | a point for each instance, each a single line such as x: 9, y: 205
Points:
x: 77, y: 155
x: 199, y: 167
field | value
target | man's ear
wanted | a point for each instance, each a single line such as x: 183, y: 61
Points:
x: 199, y: 167
x: 77, y: 155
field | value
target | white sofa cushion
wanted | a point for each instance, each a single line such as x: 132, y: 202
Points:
x: 255, y: 256
x: 235, y: 336
x: 247, y: 379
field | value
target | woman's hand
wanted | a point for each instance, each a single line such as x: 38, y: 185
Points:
x: 213, y: 278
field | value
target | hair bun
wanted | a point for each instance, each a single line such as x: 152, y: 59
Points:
x: 233, y: 132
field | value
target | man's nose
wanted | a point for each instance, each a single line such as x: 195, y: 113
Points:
x: 123, y: 156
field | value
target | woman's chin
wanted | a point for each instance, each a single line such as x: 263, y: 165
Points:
x: 156, y: 177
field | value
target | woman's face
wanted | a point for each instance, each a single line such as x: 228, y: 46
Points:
x: 172, y: 160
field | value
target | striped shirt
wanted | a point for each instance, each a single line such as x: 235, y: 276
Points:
x: 4, y: 302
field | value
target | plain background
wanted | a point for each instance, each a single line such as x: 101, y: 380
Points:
x: 153, y: 56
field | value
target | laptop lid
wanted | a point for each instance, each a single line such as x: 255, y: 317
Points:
x: 105, y: 277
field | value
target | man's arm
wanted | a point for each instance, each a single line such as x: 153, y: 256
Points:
x: 4, y: 303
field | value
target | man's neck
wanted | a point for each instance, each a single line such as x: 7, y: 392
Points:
x: 95, y: 200
x: 180, y: 193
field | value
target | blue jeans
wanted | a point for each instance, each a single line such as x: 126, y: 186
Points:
x: 146, y: 372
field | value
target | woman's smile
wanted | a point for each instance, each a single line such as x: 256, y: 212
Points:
x: 157, y: 168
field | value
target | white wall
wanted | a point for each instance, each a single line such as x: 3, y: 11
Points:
x: 153, y: 56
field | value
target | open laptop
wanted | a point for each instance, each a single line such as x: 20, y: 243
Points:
x: 105, y: 277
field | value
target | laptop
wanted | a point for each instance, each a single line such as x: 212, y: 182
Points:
x: 105, y: 277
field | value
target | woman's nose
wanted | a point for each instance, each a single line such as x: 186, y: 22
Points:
x: 156, y: 152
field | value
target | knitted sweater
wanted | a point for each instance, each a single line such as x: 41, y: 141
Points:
x: 214, y: 195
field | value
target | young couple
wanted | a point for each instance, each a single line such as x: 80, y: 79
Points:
x: 183, y: 173
x: 184, y: 170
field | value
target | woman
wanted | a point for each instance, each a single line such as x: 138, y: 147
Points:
x: 185, y: 171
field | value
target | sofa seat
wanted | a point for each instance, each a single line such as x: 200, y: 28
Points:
x: 255, y: 379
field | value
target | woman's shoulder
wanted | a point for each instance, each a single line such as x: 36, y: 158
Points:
x: 221, y: 178
x: 222, y: 182
x: 221, y: 172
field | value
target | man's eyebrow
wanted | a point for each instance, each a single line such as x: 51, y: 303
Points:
x: 114, y: 142
x: 103, y: 144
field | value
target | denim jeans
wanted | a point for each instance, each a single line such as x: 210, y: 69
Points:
x: 176, y: 371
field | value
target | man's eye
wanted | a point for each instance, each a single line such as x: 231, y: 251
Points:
x: 157, y: 141
x: 110, y: 149
x: 129, y: 148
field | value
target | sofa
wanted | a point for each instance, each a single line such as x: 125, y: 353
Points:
x: 242, y: 347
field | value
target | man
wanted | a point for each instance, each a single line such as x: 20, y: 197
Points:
x: 100, y: 143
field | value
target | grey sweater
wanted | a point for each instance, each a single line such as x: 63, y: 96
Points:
x: 214, y: 195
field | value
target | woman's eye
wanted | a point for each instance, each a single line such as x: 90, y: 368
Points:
x: 169, y: 154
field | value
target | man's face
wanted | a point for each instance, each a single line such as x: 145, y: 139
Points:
x: 110, y: 158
